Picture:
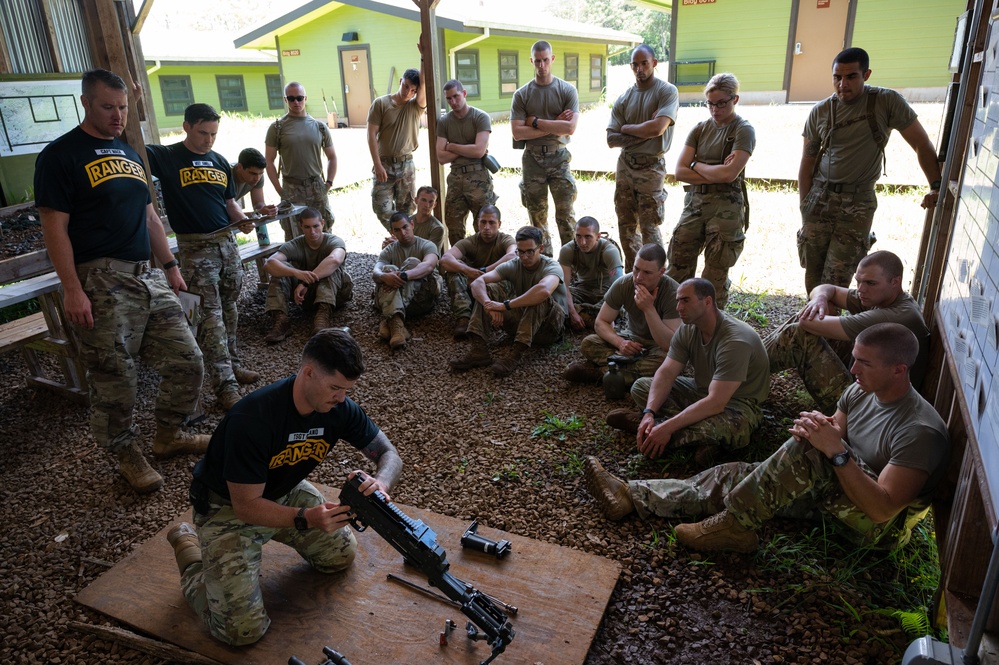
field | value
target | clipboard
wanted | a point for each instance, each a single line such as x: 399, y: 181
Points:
x: 191, y: 304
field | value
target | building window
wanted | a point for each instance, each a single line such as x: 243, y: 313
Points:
x: 43, y: 37
x: 275, y: 91
x: 467, y: 65
x: 596, y: 72
x: 571, y: 61
x: 177, y: 94
x: 508, y: 73
x: 232, y: 94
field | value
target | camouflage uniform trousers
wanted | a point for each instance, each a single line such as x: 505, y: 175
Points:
x: 415, y: 297
x: 639, y: 201
x: 335, y: 291
x: 586, y: 299
x: 461, y: 296
x: 312, y: 193
x: 714, y: 222
x: 595, y: 349
x: 135, y: 315
x: 466, y: 193
x: 212, y: 268
x: 821, y: 370
x: 224, y: 588
x: 543, y: 171
x: 730, y: 429
x: 795, y: 482
x: 834, y: 235
x: 397, y: 193
x: 537, y: 325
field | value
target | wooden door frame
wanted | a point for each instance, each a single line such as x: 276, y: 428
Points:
x: 851, y: 19
x: 371, y: 82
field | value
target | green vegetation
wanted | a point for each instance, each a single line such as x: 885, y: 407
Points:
x: 555, y: 427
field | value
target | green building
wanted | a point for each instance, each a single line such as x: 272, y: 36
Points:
x: 356, y: 50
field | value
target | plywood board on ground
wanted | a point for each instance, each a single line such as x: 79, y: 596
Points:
x: 561, y: 595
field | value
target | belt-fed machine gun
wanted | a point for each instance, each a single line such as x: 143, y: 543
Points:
x: 418, y: 545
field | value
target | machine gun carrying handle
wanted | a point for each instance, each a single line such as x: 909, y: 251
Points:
x: 472, y: 540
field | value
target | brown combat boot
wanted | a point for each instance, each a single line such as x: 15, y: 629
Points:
x: 170, y: 442
x: 279, y: 329
x: 323, y: 318
x: 244, y: 375
x: 626, y: 420
x: 611, y: 493
x: 136, y: 470
x: 721, y: 532
x: 186, y: 547
x: 228, y: 398
x: 583, y: 371
x: 383, y: 330
x: 505, y: 366
x: 461, y: 328
x: 477, y: 356
x: 399, y: 333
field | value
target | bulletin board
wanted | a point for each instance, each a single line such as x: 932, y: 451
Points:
x: 969, y: 294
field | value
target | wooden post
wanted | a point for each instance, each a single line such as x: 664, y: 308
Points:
x: 431, y: 47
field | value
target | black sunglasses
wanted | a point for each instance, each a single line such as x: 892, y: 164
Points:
x: 295, y: 98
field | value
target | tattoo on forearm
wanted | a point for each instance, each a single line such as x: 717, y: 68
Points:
x: 812, y: 149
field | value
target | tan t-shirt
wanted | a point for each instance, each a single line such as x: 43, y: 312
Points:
x: 546, y: 102
x: 523, y: 279
x: 852, y: 155
x: 621, y: 295
x: 904, y: 311
x: 591, y: 271
x: 396, y: 253
x: 464, y: 130
x: 431, y: 230
x: 479, y: 254
x: 303, y: 257
x: 300, y: 141
x: 398, y: 126
x: 636, y: 106
x: 712, y: 144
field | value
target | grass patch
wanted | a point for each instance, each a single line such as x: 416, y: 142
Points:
x: 555, y: 427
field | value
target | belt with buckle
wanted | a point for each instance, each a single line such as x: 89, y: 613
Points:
x: 117, y: 265
x: 710, y: 189
x: 846, y: 188
x: 635, y: 161
x: 545, y: 148
x: 396, y: 160
x: 467, y: 168
x: 302, y: 181
x: 214, y: 236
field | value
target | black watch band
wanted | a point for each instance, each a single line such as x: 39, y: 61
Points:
x: 301, y: 523
x: 403, y: 276
x: 534, y: 123
x: 506, y: 303
x: 648, y: 410
x: 840, y: 459
x: 170, y: 264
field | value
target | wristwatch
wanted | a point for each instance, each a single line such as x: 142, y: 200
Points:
x: 648, y: 410
x: 329, y: 183
x: 534, y: 123
x: 170, y: 264
x: 692, y: 164
x: 301, y: 523
x: 403, y: 276
x: 506, y: 303
x: 840, y: 459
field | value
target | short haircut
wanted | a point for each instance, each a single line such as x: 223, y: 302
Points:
x: 854, y: 54
x: 891, y: 265
x: 251, y: 158
x: 644, y: 48
x: 529, y: 233
x: 895, y: 344
x: 413, y: 76
x: 590, y: 223
x: 334, y: 350
x: 396, y: 216
x: 653, y: 252
x: 490, y: 209
x: 725, y: 82
x: 309, y: 213
x: 453, y: 84
x: 95, y: 76
x: 293, y: 84
x: 429, y: 190
x: 196, y: 113
x: 541, y: 45
x: 702, y: 287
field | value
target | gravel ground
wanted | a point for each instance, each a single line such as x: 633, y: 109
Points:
x: 467, y: 443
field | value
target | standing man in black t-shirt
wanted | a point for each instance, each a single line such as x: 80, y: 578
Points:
x: 99, y: 224
x: 199, y: 193
x: 250, y: 487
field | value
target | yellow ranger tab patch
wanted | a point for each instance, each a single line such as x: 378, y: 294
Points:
x: 106, y: 168
x: 201, y: 175
x: 300, y: 451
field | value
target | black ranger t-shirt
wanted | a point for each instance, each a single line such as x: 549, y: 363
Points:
x: 264, y: 439
x: 101, y: 185
x: 195, y: 187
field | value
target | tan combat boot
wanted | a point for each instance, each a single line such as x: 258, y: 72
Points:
x: 228, y: 398
x: 611, y: 493
x: 477, y: 356
x: 244, y: 375
x: 136, y: 470
x: 505, y: 366
x: 170, y: 442
x: 383, y: 330
x: 399, y: 333
x: 280, y: 328
x: 323, y: 318
x: 186, y: 546
x: 721, y: 532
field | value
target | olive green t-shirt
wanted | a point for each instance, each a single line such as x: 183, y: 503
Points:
x: 431, y: 230
x: 735, y: 353
x: 303, y: 257
x: 711, y: 142
x: 479, y: 254
x: 546, y: 102
x: 905, y: 311
x: 523, y: 279
x: 636, y: 106
x: 396, y: 254
x: 591, y: 270
x: 398, y: 126
x: 621, y: 295
x: 299, y: 140
x: 464, y: 130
